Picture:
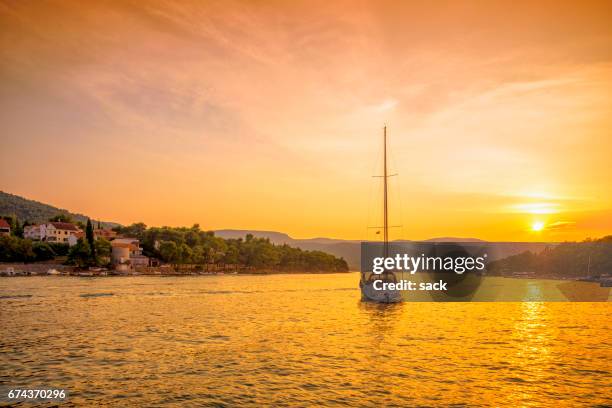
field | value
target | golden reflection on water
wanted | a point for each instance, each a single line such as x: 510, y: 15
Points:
x: 533, y: 335
x: 295, y: 340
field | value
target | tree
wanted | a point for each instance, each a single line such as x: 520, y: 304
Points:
x: 231, y: 255
x: 80, y: 254
x: 103, y: 248
x: 169, y: 252
x: 89, y: 234
x: 43, y: 251
x: 192, y: 238
x: 60, y: 248
x: 7, y: 248
x: 26, y: 254
x: 198, y: 255
x: 135, y: 230
x: 14, y: 249
x: 193, y: 245
x: 185, y: 253
x: 16, y: 227
x: 61, y: 218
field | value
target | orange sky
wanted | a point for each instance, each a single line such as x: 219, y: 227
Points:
x: 268, y: 115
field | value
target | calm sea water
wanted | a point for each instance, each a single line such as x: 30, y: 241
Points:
x: 294, y: 340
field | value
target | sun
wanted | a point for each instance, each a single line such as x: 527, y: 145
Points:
x: 537, y: 226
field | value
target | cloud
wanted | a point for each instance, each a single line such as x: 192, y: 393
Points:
x: 479, y: 105
x: 560, y: 225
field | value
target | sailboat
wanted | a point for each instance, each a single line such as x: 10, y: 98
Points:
x: 368, y: 279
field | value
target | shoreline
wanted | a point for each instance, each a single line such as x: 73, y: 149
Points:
x: 9, y: 270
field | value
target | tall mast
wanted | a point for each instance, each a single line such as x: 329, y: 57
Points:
x: 385, y: 210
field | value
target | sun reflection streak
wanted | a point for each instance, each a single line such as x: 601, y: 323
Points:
x: 533, y: 336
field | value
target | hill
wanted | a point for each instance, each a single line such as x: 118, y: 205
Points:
x: 37, y: 212
x: 278, y: 238
x: 350, y: 250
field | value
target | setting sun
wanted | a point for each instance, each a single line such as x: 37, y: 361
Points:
x: 537, y: 226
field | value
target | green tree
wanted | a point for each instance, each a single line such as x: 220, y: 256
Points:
x: 185, y: 253
x: 80, y: 254
x: 14, y: 249
x: 103, y: 248
x: 25, y: 251
x: 193, y: 245
x: 43, y: 251
x: 135, y: 230
x: 18, y: 231
x: 61, y: 218
x: 192, y: 238
x: 199, y: 256
x: 231, y: 255
x: 89, y: 234
x: 169, y: 252
x: 16, y: 227
x: 60, y: 248
x: 8, y: 248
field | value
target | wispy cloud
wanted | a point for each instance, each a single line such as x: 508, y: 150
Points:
x: 476, y: 102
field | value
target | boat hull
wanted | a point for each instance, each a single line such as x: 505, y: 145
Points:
x: 369, y: 294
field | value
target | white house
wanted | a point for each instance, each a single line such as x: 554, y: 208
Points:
x: 33, y: 232
x: 59, y: 231
x: 51, y: 232
x: 73, y: 238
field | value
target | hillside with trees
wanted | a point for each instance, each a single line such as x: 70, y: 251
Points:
x: 190, y: 248
x: 567, y: 260
x: 194, y: 246
x: 35, y: 212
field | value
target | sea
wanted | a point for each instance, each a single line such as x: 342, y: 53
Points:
x: 292, y: 340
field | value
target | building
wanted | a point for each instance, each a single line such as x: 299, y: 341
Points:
x: 72, y: 239
x: 51, y: 232
x: 33, y: 232
x: 98, y: 233
x: 5, y: 228
x: 59, y: 231
x: 107, y: 234
x: 127, y: 251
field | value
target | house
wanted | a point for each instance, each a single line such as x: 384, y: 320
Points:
x: 51, y: 232
x: 73, y: 238
x: 59, y: 231
x: 98, y: 233
x: 33, y: 232
x: 127, y: 251
x: 107, y: 234
x: 5, y: 228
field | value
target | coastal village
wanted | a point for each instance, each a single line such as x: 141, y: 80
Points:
x: 67, y: 245
x: 125, y: 257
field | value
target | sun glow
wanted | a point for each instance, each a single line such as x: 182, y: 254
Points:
x: 537, y: 208
x: 537, y: 226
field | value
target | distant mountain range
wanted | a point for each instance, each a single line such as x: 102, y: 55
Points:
x: 350, y: 250
x: 37, y: 212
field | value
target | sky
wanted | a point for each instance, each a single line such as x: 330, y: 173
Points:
x: 269, y: 115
